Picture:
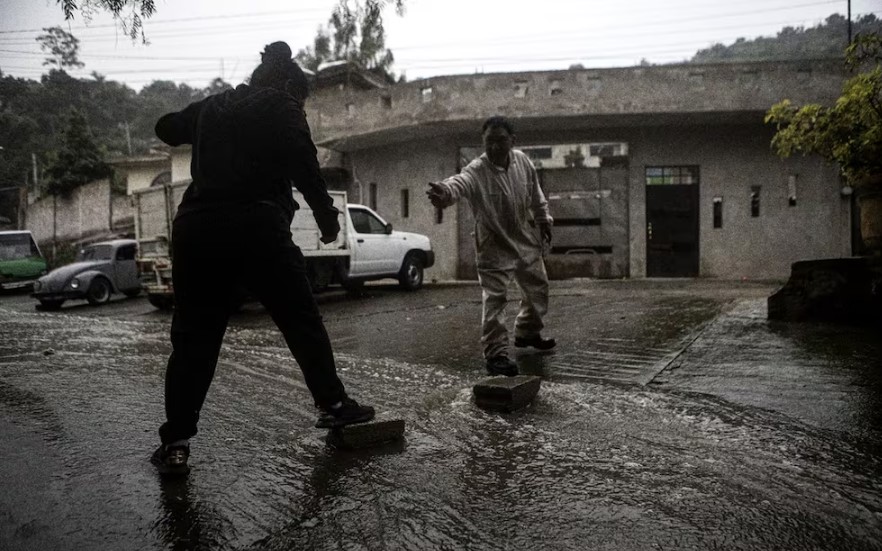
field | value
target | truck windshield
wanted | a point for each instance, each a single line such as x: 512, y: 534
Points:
x: 96, y: 252
x: 17, y: 246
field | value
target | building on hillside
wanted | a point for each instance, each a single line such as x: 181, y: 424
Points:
x: 659, y: 171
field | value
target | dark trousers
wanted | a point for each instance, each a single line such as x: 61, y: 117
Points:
x: 215, y: 256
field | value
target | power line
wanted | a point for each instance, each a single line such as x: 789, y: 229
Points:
x: 541, y: 39
x: 152, y: 22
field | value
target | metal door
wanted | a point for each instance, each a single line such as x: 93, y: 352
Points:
x: 672, y: 230
x: 590, y: 211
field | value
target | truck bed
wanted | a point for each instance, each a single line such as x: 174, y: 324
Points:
x: 306, y: 234
x: 155, y: 208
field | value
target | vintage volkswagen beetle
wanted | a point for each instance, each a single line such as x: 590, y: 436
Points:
x: 100, y: 269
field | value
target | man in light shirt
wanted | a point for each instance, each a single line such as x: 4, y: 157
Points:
x: 511, y: 223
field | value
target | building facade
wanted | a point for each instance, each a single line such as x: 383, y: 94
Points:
x: 660, y: 171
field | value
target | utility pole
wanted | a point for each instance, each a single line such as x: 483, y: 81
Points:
x: 849, y: 22
x: 128, y: 137
x: 36, y: 174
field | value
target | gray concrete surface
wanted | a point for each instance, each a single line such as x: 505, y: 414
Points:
x: 671, y: 416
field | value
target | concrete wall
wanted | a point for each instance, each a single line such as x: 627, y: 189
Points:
x: 180, y: 163
x: 412, y: 166
x: 731, y: 159
x: 633, y: 91
x: 91, y: 212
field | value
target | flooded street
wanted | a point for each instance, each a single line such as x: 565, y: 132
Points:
x: 672, y: 415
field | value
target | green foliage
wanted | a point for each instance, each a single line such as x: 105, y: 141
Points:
x: 18, y: 130
x: 822, y: 41
x: 78, y: 161
x: 62, y: 46
x: 850, y: 132
x: 129, y: 13
x: 354, y: 33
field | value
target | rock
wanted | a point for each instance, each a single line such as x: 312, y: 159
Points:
x: 48, y: 352
x: 837, y: 290
x: 381, y: 430
x: 506, y: 393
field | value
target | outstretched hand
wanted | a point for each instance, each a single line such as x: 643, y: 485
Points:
x: 437, y: 195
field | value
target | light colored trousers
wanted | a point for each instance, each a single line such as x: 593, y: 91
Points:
x: 533, y: 282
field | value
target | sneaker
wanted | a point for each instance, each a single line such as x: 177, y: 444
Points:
x: 171, y: 460
x: 501, y: 365
x: 536, y: 342
x: 348, y: 413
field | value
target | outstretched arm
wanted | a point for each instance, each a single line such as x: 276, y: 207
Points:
x: 180, y: 127
x: 445, y: 193
x: 302, y: 167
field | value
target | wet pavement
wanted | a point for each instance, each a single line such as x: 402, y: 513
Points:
x: 671, y: 416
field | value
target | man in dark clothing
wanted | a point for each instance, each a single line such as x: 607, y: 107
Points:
x: 249, y: 145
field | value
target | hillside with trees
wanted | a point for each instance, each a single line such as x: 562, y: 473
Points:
x: 826, y: 40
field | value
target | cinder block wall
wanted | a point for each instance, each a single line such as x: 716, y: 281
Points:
x: 90, y: 211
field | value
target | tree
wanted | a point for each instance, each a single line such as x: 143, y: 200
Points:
x: 62, y: 46
x: 129, y: 13
x: 822, y: 41
x: 849, y: 133
x: 354, y: 33
x: 79, y: 161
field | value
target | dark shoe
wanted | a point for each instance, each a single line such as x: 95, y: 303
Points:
x: 501, y: 365
x: 536, y: 342
x: 348, y: 413
x: 171, y: 460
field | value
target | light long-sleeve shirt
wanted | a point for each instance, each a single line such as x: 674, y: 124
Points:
x: 507, y: 203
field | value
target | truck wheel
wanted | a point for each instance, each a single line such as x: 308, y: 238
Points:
x: 353, y: 286
x: 49, y: 305
x: 162, y: 302
x: 410, y: 277
x: 99, y: 291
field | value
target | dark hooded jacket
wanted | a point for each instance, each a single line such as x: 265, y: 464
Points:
x: 249, y: 145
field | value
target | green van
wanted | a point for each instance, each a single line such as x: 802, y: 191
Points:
x: 21, y: 261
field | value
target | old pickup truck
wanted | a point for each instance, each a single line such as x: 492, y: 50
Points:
x: 367, y: 248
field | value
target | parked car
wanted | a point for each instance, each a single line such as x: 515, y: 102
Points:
x: 100, y: 270
x: 21, y: 261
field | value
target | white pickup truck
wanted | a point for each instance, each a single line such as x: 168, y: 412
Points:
x: 367, y: 248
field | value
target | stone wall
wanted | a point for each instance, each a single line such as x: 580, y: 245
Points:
x: 91, y: 212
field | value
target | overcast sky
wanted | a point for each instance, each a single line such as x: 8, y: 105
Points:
x: 195, y: 41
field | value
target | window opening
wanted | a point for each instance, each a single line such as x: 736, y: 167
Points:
x: 372, y: 195
x: 671, y: 175
x: 718, y: 212
x: 405, y: 203
x: 755, y: 201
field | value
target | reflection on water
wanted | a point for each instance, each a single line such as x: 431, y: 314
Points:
x: 590, y: 465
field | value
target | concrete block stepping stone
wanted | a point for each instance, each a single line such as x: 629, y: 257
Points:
x: 381, y: 430
x: 506, y: 393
